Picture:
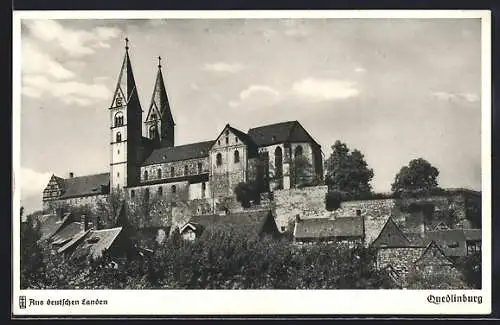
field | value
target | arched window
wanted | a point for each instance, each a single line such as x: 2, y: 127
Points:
x: 172, y: 171
x: 298, y: 151
x: 118, y: 137
x: 145, y: 175
x: 203, y: 189
x: 152, y: 131
x: 174, y: 189
x: 146, y: 194
x: 186, y: 170
x: 236, y: 156
x: 160, y: 191
x: 218, y: 159
x: 158, y: 172
x: 200, y: 168
x: 119, y: 119
x: 278, y: 161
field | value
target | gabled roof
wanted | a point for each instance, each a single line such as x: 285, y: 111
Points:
x: 184, y: 152
x: 434, y: 252
x: 245, y: 138
x: 451, y: 241
x: 49, y: 224
x: 66, y: 233
x: 86, y: 185
x: 473, y: 234
x: 251, y: 221
x: 96, y: 242
x: 323, y: 228
x: 291, y: 131
x: 391, y: 236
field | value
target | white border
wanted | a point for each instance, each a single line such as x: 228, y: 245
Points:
x: 258, y: 302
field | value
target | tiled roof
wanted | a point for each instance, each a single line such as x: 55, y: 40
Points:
x: 391, y: 236
x: 49, y: 224
x: 66, y: 233
x: 473, y: 234
x: 96, y: 242
x: 291, y: 131
x: 85, y: 185
x: 184, y: 152
x: 329, y: 228
x: 73, y: 241
x: 451, y: 241
x: 248, y: 220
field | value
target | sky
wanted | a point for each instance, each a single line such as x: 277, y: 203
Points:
x: 396, y: 89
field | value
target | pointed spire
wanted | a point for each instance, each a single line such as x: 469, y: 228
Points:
x: 125, y: 88
x: 159, y: 98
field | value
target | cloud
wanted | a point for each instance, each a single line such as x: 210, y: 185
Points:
x: 69, y: 92
x: 33, y: 60
x: 324, y: 89
x: 75, y: 42
x: 33, y: 182
x: 256, y: 96
x: 224, y: 67
x: 359, y: 69
x: 447, y: 96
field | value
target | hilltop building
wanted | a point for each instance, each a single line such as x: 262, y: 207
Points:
x: 144, y: 157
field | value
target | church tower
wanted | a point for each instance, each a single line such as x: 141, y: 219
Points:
x: 159, y: 124
x: 126, y: 129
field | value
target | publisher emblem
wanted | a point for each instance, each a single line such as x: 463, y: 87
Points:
x: 22, y: 302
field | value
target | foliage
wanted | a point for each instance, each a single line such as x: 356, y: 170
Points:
x: 419, y: 178
x: 470, y: 266
x: 31, y: 257
x: 348, y: 172
x: 333, y: 199
x: 434, y: 280
x: 302, y: 172
x: 247, y: 192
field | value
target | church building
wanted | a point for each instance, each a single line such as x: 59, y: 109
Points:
x: 145, y: 160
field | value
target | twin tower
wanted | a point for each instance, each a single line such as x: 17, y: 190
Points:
x: 130, y: 142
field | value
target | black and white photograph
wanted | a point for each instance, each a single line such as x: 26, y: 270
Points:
x: 247, y: 151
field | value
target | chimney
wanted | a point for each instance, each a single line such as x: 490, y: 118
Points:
x: 297, y: 218
x: 71, y: 175
x: 84, y: 223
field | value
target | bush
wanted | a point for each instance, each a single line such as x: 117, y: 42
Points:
x: 246, y: 193
x: 333, y: 199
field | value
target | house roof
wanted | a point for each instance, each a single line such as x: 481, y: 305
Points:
x: 451, y: 241
x: 473, y: 234
x: 85, y: 185
x: 291, y: 131
x: 49, y: 224
x: 96, y: 242
x: 248, y: 220
x: 391, y: 236
x: 184, y: 152
x: 433, y: 246
x: 66, y: 233
x: 318, y: 228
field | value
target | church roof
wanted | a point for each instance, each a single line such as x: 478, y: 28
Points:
x: 291, y: 131
x: 85, y: 185
x: 184, y: 152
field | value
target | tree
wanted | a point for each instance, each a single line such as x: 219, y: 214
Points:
x: 347, y: 172
x: 31, y: 253
x: 302, y: 173
x: 246, y: 193
x: 419, y: 178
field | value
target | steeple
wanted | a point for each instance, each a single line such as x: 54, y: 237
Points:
x: 126, y: 90
x: 159, y: 114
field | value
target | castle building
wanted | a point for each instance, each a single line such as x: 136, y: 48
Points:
x: 145, y: 160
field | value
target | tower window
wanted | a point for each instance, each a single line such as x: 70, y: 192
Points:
x: 218, y: 142
x: 118, y: 118
x: 146, y: 175
x: 152, y: 132
x: 153, y: 116
x: 200, y: 167
x: 236, y: 157
x: 132, y: 194
x: 236, y: 139
x: 227, y: 140
x: 160, y: 191
x: 118, y: 100
x: 159, y: 173
x: 118, y: 174
x: 172, y: 171
x: 174, y: 189
x: 118, y: 137
x: 186, y: 170
x: 218, y: 159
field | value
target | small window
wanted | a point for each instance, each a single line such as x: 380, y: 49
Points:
x: 298, y: 151
x: 146, y: 194
x: 200, y: 168
x: 118, y: 152
x: 118, y: 137
x: 153, y: 116
x: 218, y: 159
x: 118, y: 100
x: 218, y: 142
x: 160, y: 191
x: 186, y: 170
x: 203, y: 186
x: 118, y: 174
x: 145, y: 175
x: 236, y: 139
x: 236, y: 157
x: 152, y: 132
x: 283, y: 228
x: 227, y: 140
x: 132, y: 194
x: 227, y: 133
x: 159, y: 173
x: 174, y: 189
x: 172, y: 171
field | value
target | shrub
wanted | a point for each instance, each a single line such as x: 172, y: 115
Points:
x: 333, y: 199
x: 246, y: 193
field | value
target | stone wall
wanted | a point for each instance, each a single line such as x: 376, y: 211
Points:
x: 90, y: 200
x: 178, y: 169
x: 401, y: 259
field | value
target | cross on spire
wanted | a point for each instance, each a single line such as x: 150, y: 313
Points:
x: 126, y: 43
x: 159, y: 62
